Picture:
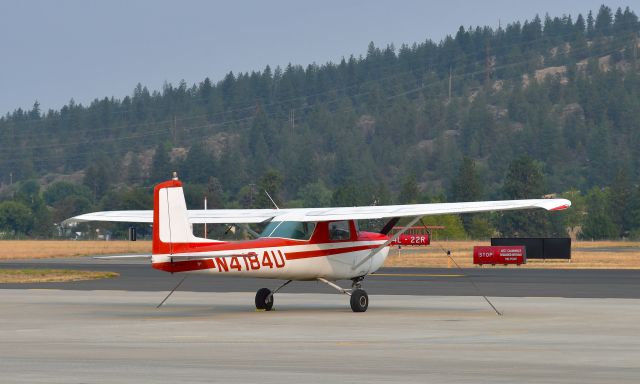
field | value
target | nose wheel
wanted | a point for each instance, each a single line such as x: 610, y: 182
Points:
x: 359, y: 299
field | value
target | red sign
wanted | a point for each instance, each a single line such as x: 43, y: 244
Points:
x: 515, y: 254
x: 421, y: 239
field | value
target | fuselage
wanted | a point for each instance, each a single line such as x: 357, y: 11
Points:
x: 329, y: 253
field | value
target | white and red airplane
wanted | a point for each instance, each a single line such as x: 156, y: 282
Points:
x: 322, y: 244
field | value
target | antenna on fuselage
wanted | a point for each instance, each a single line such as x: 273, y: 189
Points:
x: 174, y: 176
x: 269, y: 196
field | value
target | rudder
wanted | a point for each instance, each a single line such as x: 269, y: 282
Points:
x: 170, y: 218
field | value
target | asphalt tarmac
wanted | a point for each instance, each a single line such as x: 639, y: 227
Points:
x: 495, y: 282
x: 423, y: 325
x: 74, y: 336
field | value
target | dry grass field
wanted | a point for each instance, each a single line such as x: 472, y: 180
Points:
x: 41, y: 249
x: 50, y: 275
x: 584, y: 254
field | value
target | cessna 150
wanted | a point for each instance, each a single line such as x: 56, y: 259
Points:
x: 322, y: 244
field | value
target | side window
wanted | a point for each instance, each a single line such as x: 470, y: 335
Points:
x: 339, y: 230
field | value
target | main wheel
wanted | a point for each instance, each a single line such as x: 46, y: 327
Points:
x: 264, y: 299
x: 359, y: 300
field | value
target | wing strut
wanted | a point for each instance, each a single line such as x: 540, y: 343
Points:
x: 389, y: 226
x: 385, y: 244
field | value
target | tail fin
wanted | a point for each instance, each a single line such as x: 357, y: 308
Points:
x: 172, y: 231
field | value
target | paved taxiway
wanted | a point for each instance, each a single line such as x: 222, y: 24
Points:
x: 73, y: 336
x: 510, y: 282
x: 423, y: 325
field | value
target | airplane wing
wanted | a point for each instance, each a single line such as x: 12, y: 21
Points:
x: 201, y: 216
x: 414, y: 210
x: 237, y: 216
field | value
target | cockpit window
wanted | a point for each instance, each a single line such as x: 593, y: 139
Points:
x: 289, y: 230
x: 339, y: 230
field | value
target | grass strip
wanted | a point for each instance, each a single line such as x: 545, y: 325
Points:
x: 13, y: 276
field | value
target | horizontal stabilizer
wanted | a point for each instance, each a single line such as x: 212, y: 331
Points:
x: 123, y: 257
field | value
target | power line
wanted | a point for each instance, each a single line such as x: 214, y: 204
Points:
x: 497, y: 34
x: 93, y: 141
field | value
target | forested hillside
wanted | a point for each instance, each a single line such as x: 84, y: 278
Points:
x: 547, y: 106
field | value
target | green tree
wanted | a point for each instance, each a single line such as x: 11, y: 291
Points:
x: 69, y: 206
x: 41, y: 223
x: 353, y: 194
x: 315, y: 195
x: 215, y: 194
x: 524, y: 180
x: 15, y: 218
x: 409, y: 193
x: 466, y: 186
x: 573, y: 218
x: 161, y: 167
x: 271, y: 182
x: 453, y: 229
x: 100, y: 175
x: 60, y: 190
x: 480, y: 227
x: 598, y: 224
x: 199, y: 164
x: 620, y: 203
x: 604, y: 20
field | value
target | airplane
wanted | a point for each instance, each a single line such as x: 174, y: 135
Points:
x: 298, y: 244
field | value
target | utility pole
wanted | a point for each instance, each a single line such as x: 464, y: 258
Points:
x: 450, y: 79
x: 205, y: 224
x: 173, y: 131
x: 292, y: 120
x: 251, y: 187
x: 487, y: 64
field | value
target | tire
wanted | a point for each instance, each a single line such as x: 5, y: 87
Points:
x: 261, y: 299
x: 359, y: 300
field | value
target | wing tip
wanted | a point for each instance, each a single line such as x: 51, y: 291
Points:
x: 564, y: 204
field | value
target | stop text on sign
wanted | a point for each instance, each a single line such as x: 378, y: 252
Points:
x: 499, y: 255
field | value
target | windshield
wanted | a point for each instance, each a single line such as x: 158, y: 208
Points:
x: 289, y: 230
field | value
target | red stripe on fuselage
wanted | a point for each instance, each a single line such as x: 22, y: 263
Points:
x: 201, y: 264
x: 327, y: 252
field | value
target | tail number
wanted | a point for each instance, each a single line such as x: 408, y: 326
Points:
x: 252, y: 262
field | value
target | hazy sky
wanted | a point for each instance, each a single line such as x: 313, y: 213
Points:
x: 52, y: 51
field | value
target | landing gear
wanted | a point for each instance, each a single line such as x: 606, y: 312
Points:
x: 359, y: 299
x: 264, y: 299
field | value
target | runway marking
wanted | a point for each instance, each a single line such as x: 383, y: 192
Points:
x: 417, y: 274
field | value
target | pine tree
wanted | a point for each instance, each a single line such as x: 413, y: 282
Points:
x: 620, y: 203
x: 409, y: 193
x: 598, y: 224
x: 524, y: 180
x: 271, y: 183
x: 604, y: 21
x: 161, y: 166
x: 590, y: 25
x: 466, y: 186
